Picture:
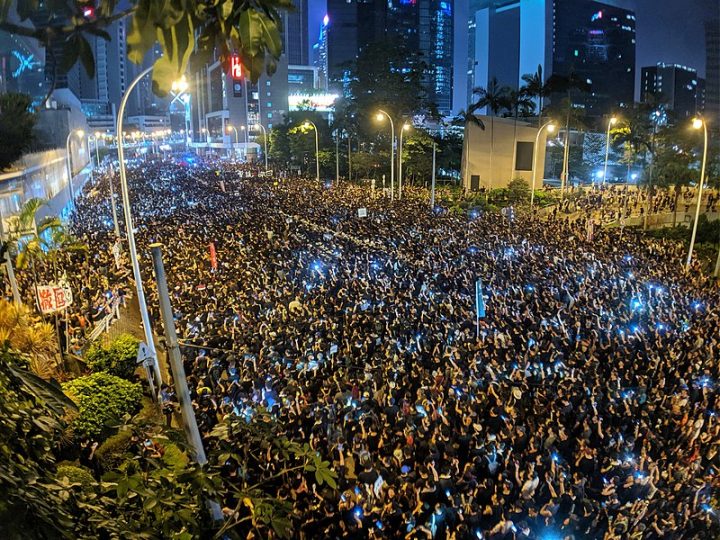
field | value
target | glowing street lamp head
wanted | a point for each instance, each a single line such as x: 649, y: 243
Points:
x: 306, y: 125
x: 97, y: 134
x: 406, y: 127
x: 379, y: 117
x: 257, y: 126
x: 551, y: 128
x: 697, y: 123
x: 228, y: 128
x: 613, y: 121
x: 181, y: 85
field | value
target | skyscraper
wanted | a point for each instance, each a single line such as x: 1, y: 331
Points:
x: 676, y: 85
x: 592, y: 40
x: 320, y: 54
x: 342, y: 37
x: 712, y: 71
x: 296, y: 34
x: 425, y: 26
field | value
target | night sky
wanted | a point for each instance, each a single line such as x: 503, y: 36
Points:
x: 670, y: 31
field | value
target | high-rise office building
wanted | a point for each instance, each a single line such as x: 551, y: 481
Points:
x: 21, y: 66
x: 342, y: 37
x: 592, y: 40
x: 320, y: 55
x: 425, y: 26
x: 436, y: 44
x: 296, y: 34
x: 675, y: 85
x: 712, y: 70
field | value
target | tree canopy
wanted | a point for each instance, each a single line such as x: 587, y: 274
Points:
x: 16, y: 127
x: 186, y: 31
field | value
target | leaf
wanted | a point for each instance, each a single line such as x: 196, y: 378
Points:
x: 71, y: 51
x: 226, y: 9
x: 164, y: 72
x: 95, y: 31
x: 51, y: 395
x: 141, y: 36
x: 251, y: 32
x: 86, y: 56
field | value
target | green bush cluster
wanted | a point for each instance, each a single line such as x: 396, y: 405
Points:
x: 75, y: 474
x: 116, y: 359
x: 102, y: 400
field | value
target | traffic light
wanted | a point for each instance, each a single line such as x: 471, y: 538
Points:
x: 236, y: 73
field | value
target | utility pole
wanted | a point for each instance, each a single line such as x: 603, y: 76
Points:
x: 432, y: 191
x: 178, y: 371
x: 192, y: 433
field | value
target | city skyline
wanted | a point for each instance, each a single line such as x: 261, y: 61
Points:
x: 677, y: 45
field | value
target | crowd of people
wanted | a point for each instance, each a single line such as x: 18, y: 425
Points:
x: 613, y: 202
x: 580, y: 405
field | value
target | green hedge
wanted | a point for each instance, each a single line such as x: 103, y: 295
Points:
x: 111, y: 453
x: 75, y: 474
x: 102, y: 399
x: 119, y: 358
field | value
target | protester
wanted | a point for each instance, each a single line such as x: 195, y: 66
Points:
x: 582, y: 405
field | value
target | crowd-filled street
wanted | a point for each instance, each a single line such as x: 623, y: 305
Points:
x: 581, y: 406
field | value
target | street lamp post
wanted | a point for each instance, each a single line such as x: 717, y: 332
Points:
x: 337, y: 156
x: 379, y: 118
x: 551, y: 129
x: 307, y: 124
x: 265, y: 154
x: 130, y: 232
x: 613, y: 120
x: 68, y: 160
x: 405, y: 127
x: 228, y: 128
x: 698, y: 123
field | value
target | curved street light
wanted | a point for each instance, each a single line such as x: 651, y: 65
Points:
x: 130, y: 228
x: 613, y: 120
x: 698, y: 123
x: 379, y: 118
x: 264, y: 132
x: 551, y: 127
x: 68, y: 159
x: 307, y: 125
x: 405, y: 127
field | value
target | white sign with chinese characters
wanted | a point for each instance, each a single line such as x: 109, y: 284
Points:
x: 52, y: 298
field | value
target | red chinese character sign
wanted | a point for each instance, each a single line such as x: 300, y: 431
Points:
x: 235, y: 67
x: 52, y: 298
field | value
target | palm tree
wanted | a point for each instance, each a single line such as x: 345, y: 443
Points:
x: 35, y: 242
x: 536, y: 88
x: 466, y: 118
x: 494, y: 98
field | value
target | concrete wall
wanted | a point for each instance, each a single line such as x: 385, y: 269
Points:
x: 40, y: 175
x: 490, y: 153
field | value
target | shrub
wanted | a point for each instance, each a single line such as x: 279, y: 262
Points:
x: 118, y: 359
x: 102, y: 399
x: 518, y: 191
x: 111, y: 453
x: 174, y: 458
x: 75, y: 474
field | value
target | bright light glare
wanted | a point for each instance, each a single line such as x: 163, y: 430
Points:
x: 697, y: 123
x: 379, y: 117
x: 551, y: 128
x: 613, y: 121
